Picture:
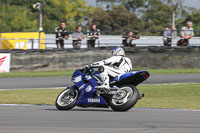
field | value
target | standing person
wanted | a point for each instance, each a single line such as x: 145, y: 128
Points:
x: 77, y: 37
x: 167, y: 35
x: 61, y: 34
x: 92, y: 34
x: 187, y: 32
x: 127, y: 39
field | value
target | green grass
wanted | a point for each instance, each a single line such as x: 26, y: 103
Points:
x: 174, y: 71
x: 36, y: 74
x: 183, y: 96
x: 69, y: 73
x: 32, y: 96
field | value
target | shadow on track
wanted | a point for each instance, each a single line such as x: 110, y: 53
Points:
x: 84, y: 109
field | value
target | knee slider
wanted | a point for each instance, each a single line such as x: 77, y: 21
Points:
x: 101, y: 69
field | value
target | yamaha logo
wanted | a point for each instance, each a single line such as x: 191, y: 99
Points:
x: 93, y: 100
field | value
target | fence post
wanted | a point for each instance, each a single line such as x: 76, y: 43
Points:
x: 39, y: 6
x: 173, y: 22
x: 0, y: 40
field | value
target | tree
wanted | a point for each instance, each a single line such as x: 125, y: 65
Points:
x: 64, y: 10
x: 14, y: 18
x: 118, y: 19
x: 157, y: 15
x: 130, y: 5
x: 195, y: 18
x: 19, y: 15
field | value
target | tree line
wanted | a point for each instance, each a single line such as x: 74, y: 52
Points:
x: 114, y: 16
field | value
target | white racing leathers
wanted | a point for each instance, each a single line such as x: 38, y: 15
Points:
x: 113, y: 66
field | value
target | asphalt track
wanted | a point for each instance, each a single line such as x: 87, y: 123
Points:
x: 35, y: 119
x: 47, y: 119
x: 54, y: 82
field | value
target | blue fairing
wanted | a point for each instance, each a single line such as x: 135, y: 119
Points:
x: 121, y: 77
x: 87, y: 83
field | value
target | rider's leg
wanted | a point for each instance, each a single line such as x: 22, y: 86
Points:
x: 105, y: 77
x: 105, y: 72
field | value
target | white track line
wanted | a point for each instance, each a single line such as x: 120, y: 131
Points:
x: 26, y: 105
x: 65, y: 86
x: 30, y: 105
x: 34, y: 88
x: 170, y: 84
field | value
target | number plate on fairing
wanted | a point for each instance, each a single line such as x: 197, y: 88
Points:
x: 93, y: 100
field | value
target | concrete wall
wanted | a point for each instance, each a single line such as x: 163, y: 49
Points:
x: 154, y: 58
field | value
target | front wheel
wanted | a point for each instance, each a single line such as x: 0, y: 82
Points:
x: 126, y: 98
x: 67, y: 99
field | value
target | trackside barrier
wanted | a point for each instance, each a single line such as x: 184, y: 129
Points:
x: 30, y: 40
x: 5, y: 59
x: 22, y: 40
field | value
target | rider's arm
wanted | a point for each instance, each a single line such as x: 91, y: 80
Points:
x: 110, y: 61
x: 97, y: 64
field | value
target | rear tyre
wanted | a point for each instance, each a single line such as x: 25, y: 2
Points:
x: 67, y: 99
x: 128, y: 97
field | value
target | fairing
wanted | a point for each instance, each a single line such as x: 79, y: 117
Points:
x: 87, y: 83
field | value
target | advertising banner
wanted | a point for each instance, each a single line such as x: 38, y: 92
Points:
x: 22, y: 40
x: 4, y: 62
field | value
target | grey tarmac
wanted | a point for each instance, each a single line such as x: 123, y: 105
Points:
x: 54, y: 82
x: 47, y: 119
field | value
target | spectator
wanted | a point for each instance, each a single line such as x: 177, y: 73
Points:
x: 77, y: 37
x: 61, y: 34
x: 187, y: 33
x: 168, y: 34
x: 92, y: 34
x: 127, y: 39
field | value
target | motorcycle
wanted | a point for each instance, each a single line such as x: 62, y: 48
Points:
x: 122, y: 96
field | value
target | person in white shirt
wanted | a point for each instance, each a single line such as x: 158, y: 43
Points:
x: 77, y: 37
x: 187, y: 32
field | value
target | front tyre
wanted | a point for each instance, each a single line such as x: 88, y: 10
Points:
x: 126, y: 98
x: 67, y: 99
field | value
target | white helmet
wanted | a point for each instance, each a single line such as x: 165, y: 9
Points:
x: 118, y: 52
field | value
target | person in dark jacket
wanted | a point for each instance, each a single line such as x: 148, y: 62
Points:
x: 128, y: 38
x: 92, y: 34
x: 61, y: 34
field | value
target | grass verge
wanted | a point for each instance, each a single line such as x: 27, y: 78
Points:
x: 33, y: 74
x: 183, y: 96
x: 174, y: 71
x: 70, y: 72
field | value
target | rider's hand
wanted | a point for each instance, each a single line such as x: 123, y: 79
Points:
x: 87, y: 66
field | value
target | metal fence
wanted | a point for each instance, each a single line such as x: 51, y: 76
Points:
x: 105, y: 41
x: 116, y: 40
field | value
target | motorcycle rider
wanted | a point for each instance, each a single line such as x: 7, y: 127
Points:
x: 116, y: 65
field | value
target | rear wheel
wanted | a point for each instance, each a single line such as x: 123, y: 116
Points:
x: 126, y: 98
x: 67, y: 99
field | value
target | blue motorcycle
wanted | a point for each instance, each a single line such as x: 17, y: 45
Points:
x: 122, y: 96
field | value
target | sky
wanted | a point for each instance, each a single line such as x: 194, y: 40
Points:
x: 190, y: 3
